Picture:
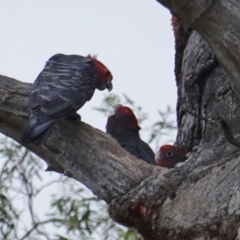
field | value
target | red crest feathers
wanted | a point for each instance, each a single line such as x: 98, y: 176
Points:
x: 94, y: 56
x: 126, y: 111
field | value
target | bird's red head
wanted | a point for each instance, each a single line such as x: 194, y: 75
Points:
x: 122, y: 120
x: 105, y: 80
x: 168, y: 156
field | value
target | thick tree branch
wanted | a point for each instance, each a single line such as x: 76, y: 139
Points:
x: 160, y: 204
x: 218, y: 22
x: 86, y: 154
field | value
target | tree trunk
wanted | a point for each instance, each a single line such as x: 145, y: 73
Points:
x: 199, y: 199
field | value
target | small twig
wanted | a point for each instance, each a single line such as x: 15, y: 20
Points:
x: 40, y: 224
x: 200, y: 117
x: 43, y: 234
x: 37, y: 191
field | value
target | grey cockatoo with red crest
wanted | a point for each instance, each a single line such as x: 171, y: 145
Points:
x: 123, y: 126
x: 65, y: 84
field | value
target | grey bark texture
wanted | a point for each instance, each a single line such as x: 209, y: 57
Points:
x: 207, y: 204
x: 218, y: 22
x: 200, y: 199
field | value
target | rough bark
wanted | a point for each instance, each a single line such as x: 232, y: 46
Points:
x: 218, y: 22
x: 207, y: 206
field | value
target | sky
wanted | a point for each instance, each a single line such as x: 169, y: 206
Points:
x: 134, y: 39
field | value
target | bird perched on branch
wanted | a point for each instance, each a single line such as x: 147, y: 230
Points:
x: 123, y: 126
x: 65, y: 84
x: 168, y: 156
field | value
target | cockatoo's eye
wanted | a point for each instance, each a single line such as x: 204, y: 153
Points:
x: 169, y: 154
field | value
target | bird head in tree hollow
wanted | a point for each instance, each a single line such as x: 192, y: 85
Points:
x: 168, y: 156
x: 123, y: 126
x: 65, y: 84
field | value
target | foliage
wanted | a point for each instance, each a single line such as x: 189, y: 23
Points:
x: 59, y: 208
x: 72, y: 209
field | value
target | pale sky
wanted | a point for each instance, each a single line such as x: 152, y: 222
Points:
x: 133, y: 38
